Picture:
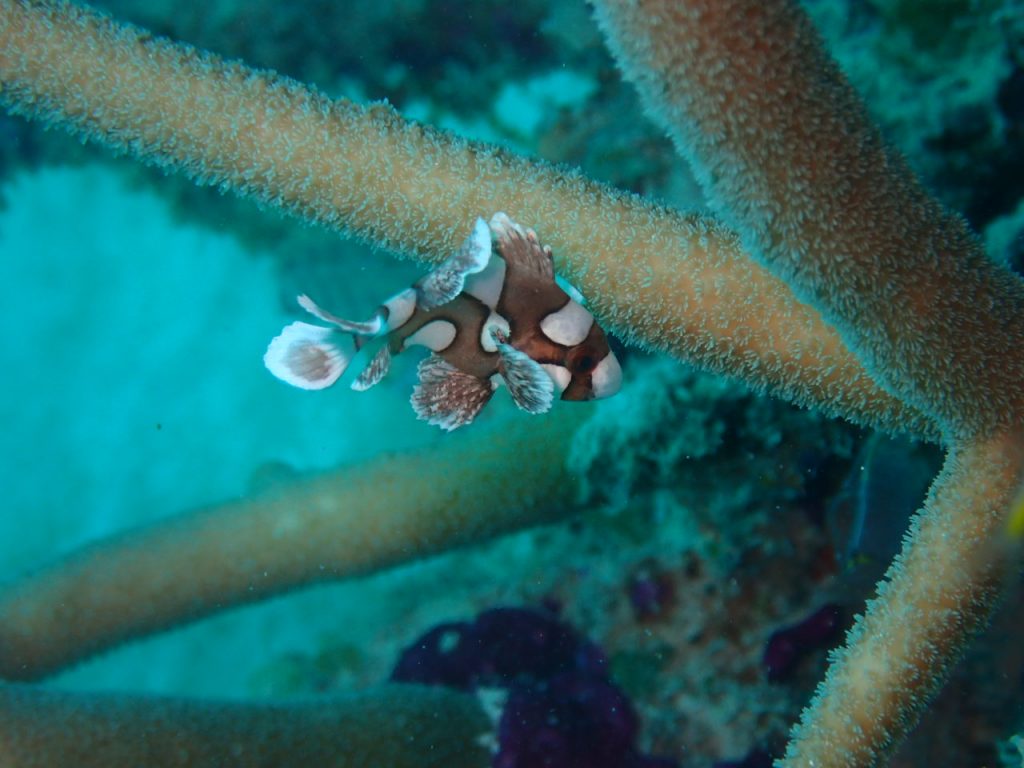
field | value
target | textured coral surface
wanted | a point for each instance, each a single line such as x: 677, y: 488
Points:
x: 715, y: 522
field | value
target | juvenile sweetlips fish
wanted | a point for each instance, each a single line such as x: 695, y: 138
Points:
x: 486, y: 318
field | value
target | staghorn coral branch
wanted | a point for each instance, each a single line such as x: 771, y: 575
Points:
x: 939, y: 592
x: 673, y: 282
x: 783, y: 145
x: 395, y: 726
x: 388, y: 510
x: 785, y: 151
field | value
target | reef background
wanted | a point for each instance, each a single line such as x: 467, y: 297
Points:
x: 137, y: 308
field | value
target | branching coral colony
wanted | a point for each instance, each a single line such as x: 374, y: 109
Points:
x: 906, y: 326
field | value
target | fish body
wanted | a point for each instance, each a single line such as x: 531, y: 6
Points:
x: 487, y: 318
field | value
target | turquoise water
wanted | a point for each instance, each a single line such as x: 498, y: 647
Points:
x: 136, y: 310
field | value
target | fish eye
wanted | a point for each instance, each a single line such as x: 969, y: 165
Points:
x: 584, y: 363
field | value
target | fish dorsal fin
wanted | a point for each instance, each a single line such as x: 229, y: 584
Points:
x: 521, y: 248
x: 447, y: 397
x: 446, y: 281
x: 529, y: 384
x: 375, y: 371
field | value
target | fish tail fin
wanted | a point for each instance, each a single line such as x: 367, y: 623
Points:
x: 307, y: 356
x: 313, y: 357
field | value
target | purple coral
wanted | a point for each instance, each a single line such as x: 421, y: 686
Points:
x: 562, y: 710
x: 520, y: 644
x: 502, y: 646
x: 443, y: 656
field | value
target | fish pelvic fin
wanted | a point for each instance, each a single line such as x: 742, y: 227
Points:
x: 447, y: 397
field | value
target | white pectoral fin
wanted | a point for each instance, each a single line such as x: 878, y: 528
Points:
x: 306, y: 356
x: 447, y: 281
x: 529, y: 384
x: 447, y: 397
